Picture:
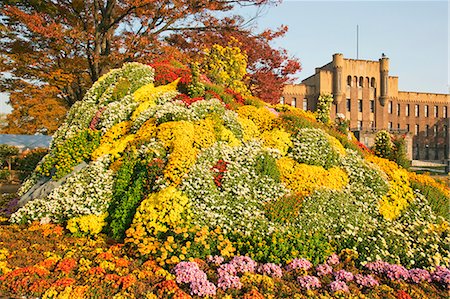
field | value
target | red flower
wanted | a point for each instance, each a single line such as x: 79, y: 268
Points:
x: 127, y: 281
x: 97, y: 271
x: 220, y: 168
x: 403, y: 295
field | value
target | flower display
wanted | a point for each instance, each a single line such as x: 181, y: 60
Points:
x: 182, y: 188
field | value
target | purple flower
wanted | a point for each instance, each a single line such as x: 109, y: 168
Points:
x: 343, y: 275
x: 324, y: 269
x: 337, y: 286
x: 378, y: 267
x: 367, y: 281
x: 396, y: 272
x: 333, y: 259
x: 271, y: 269
x: 419, y: 275
x: 309, y: 282
x: 301, y: 264
x: 442, y: 275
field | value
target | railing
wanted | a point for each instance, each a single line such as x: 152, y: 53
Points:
x: 374, y: 130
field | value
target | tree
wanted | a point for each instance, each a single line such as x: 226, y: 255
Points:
x: 323, y: 108
x: 66, y: 45
x: 383, y: 144
x: 269, y: 69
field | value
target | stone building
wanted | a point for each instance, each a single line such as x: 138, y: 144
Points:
x: 368, y: 96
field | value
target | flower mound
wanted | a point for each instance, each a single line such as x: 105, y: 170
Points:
x: 181, y: 169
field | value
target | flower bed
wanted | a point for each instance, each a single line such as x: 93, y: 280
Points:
x: 227, y: 192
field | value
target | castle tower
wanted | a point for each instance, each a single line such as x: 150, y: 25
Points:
x: 381, y: 108
x: 338, y: 94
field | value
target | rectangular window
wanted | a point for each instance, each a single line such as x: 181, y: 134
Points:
x: 390, y: 107
x: 372, y: 106
x: 348, y: 105
x: 372, y: 125
x: 398, y: 109
x: 427, y: 128
x: 390, y: 126
x: 360, y: 105
x: 305, y: 104
x: 436, y: 111
x: 294, y: 102
x: 416, y: 110
x: 398, y: 126
x: 425, y: 110
x: 359, y: 125
x: 416, y: 130
x: 444, y: 112
x: 407, y: 110
x: 435, y: 130
x: 407, y: 128
x: 282, y: 100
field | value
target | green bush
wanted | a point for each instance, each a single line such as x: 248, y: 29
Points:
x: 281, y: 247
x: 438, y: 201
x: 26, y: 163
x: 134, y: 179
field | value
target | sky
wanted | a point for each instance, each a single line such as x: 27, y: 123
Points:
x: 413, y: 34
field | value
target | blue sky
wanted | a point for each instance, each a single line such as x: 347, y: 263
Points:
x: 413, y: 34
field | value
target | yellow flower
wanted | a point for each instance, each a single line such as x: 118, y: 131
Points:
x: 303, y: 179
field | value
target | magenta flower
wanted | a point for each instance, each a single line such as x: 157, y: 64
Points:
x: 337, y: 286
x: 333, y: 259
x: 323, y: 269
x: 367, y: 281
x: 271, y: 269
x: 343, y: 275
x: 299, y: 264
x: 309, y: 282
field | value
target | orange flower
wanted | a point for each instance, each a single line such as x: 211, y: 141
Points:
x: 66, y: 265
x: 64, y: 282
x: 127, y: 281
x: 108, y: 256
x: 121, y: 262
x: 181, y: 295
x: 253, y: 294
x: 97, y: 271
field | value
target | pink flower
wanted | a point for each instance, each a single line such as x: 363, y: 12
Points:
x: 324, y: 269
x: 299, y: 264
x: 271, y: 269
x: 309, y: 282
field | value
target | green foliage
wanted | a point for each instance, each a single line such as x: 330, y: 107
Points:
x: 292, y: 123
x: 7, y: 152
x: 323, y: 108
x: 399, y: 152
x: 121, y: 89
x: 283, y: 210
x: 27, y: 163
x: 281, y: 247
x: 383, y: 144
x: 66, y: 155
x: 195, y: 88
x: 439, y: 202
x: 4, y: 175
x: 267, y: 165
x: 134, y: 179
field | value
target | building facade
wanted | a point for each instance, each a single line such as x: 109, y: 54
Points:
x: 365, y: 93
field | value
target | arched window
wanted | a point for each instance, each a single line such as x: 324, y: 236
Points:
x: 372, y: 82
x: 349, y: 81
x: 366, y: 82
x: 355, y: 81
x: 361, y: 81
